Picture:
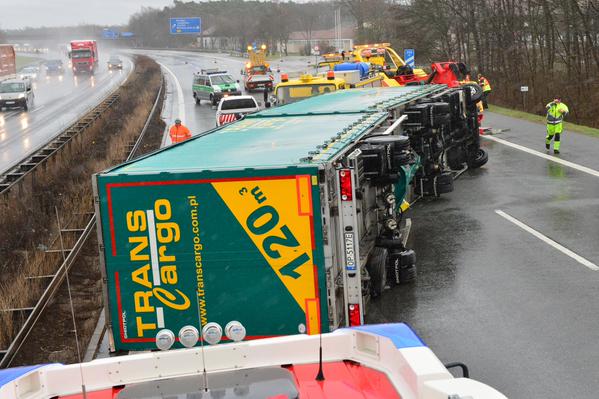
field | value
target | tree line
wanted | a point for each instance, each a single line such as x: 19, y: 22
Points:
x: 549, y: 46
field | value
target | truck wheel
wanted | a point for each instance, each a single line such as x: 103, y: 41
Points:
x: 377, y: 269
x: 455, y: 159
x: 479, y: 158
x: 476, y: 92
x: 407, y: 270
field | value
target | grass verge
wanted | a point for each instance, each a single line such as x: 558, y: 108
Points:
x: 586, y: 130
x: 23, y: 60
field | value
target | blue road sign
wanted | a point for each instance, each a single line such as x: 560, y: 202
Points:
x: 185, y: 26
x: 109, y: 34
x: 408, y: 56
x: 127, y: 34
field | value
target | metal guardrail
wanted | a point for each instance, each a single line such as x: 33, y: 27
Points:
x: 8, y: 355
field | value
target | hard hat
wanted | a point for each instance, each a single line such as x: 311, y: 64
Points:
x: 177, y: 121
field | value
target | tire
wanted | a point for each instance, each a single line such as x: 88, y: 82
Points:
x: 212, y: 100
x: 25, y: 106
x: 377, y: 269
x: 476, y: 92
x: 197, y: 98
x: 455, y: 159
x: 479, y: 158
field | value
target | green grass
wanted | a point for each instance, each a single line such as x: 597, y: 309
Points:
x: 589, y: 131
x: 23, y: 60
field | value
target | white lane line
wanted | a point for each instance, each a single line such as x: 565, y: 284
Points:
x: 539, y: 154
x: 180, y: 98
x: 548, y: 240
x: 37, y: 109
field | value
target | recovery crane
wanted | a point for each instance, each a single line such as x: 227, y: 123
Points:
x: 257, y: 73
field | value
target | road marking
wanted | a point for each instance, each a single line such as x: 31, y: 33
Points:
x: 548, y: 240
x: 180, y: 98
x: 539, y: 154
x: 37, y: 109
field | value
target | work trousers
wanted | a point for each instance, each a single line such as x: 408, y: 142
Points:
x: 485, y: 95
x: 554, y: 132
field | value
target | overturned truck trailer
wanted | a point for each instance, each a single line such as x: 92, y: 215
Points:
x: 287, y: 221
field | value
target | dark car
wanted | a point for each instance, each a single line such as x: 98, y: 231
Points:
x: 115, y: 63
x: 54, y: 67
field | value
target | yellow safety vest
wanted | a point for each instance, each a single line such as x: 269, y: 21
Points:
x: 556, y: 112
x: 485, y: 84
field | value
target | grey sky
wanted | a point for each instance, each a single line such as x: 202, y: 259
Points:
x: 21, y: 13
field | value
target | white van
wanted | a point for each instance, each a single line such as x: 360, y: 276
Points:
x: 233, y: 108
x: 16, y: 93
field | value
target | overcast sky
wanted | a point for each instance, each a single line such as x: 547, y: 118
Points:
x: 35, y: 13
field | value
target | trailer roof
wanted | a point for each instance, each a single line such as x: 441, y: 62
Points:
x: 260, y: 142
x: 305, y: 133
x: 354, y: 100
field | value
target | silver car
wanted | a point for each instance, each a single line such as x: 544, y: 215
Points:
x: 29, y: 72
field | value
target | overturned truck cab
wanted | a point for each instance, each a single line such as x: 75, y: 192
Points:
x: 288, y: 221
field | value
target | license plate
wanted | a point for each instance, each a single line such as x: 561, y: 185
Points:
x: 10, y: 102
x: 350, y: 254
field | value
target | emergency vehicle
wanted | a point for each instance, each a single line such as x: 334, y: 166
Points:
x: 212, y: 85
x: 354, y: 76
x: 256, y: 73
x: 386, y: 361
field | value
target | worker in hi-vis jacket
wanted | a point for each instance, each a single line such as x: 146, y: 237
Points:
x: 556, y: 110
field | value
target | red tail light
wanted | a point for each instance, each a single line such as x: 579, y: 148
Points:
x: 354, y: 315
x: 346, y: 185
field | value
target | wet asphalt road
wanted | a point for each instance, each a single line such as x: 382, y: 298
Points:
x: 180, y: 67
x: 59, y: 101
x: 517, y: 311
x: 520, y: 313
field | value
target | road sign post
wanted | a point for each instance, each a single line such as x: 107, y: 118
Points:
x: 185, y: 26
x: 408, y: 55
x: 524, y: 90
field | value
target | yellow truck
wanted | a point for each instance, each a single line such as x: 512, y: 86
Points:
x: 291, y: 90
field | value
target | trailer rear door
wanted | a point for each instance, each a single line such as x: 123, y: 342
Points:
x: 192, y: 248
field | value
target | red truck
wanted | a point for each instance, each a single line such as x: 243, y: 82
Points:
x: 8, y: 68
x: 84, y: 56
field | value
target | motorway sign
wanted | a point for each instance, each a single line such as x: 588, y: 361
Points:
x: 127, y: 34
x: 408, y: 55
x: 185, y: 26
x: 109, y: 34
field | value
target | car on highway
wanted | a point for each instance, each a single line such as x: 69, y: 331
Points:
x: 233, y: 108
x: 212, y: 85
x: 115, y: 62
x: 16, y: 93
x: 29, y: 72
x: 54, y: 67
